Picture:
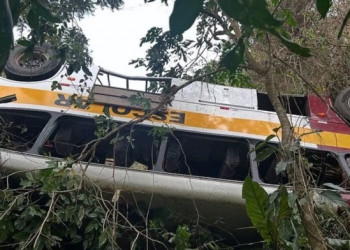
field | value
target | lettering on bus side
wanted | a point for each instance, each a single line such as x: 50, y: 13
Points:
x: 174, y: 116
x: 66, y: 102
x: 177, y: 117
x: 62, y: 101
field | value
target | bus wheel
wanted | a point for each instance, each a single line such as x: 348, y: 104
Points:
x: 342, y: 103
x: 41, y: 64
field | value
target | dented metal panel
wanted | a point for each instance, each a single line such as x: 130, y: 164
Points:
x: 206, y: 93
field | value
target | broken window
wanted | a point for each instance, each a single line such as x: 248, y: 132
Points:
x: 207, y: 156
x: 131, y: 147
x: 293, y: 104
x: 321, y: 168
x: 20, y: 129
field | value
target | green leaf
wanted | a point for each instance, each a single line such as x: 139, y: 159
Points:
x: 283, y: 206
x: 184, y: 14
x: 56, y: 85
x: 285, y: 230
x: 281, y: 167
x: 234, y: 57
x: 25, y: 43
x: 289, y: 18
x: 93, y: 225
x: 182, y: 237
x: 265, y: 152
x: 292, y: 46
x: 81, y: 214
x: 86, y: 70
x: 252, y: 13
x: 106, y: 112
x: 33, y: 19
x: 332, y: 198
x: 70, y: 69
x: 102, y: 239
x: 16, y: 8
x: 338, y: 243
x: 263, y: 144
x: 323, y: 7
x: 256, y: 202
x: 36, y: 211
x: 3, y: 235
x: 333, y: 186
x: 347, y: 17
x: 45, y: 13
x: 21, y: 236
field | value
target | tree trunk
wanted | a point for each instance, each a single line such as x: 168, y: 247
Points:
x: 287, y: 131
x: 298, y: 174
x: 306, y: 208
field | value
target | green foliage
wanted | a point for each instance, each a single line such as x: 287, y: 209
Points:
x: 172, y: 51
x: 178, y: 233
x: 164, y: 47
x: 234, y: 57
x: 338, y: 244
x: 264, y: 150
x: 346, y: 19
x: 256, y: 205
x: 57, y: 208
x: 274, y: 216
x: 141, y: 101
x: 323, y: 7
x: 53, y: 22
x: 50, y: 209
x: 159, y: 133
x: 79, y: 101
x: 104, y: 124
x: 56, y: 85
x: 184, y: 14
x: 182, y: 237
x: 38, y: 13
x: 238, y: 78
x: 292, y: 46
x: 252, y: 13
x: 331, y: 199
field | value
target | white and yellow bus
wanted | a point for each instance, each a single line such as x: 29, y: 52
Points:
x: 201, y: 161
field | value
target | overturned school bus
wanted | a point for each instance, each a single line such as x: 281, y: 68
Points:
x: 197, y: 167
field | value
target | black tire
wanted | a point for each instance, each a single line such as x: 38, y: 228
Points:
x: 41, y: 64
x: 342, y: 103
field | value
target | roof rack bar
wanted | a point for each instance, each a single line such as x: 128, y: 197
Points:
x: 109, y: 80
x: 137, y: 78
x: 98, y: 79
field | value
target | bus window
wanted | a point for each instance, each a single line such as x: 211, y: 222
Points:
x: 324, y: 168
x: 207, y: 156
x: 321, y: 168
x: 72, y: 134
x: 20, y: 128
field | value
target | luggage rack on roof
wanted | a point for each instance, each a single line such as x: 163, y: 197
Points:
x: 112, y: 91
x: 149, y: 82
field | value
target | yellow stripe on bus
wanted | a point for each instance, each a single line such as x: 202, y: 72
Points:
x: 186, y: 118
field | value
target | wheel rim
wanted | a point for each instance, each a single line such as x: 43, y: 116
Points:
x: 34, y: 60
